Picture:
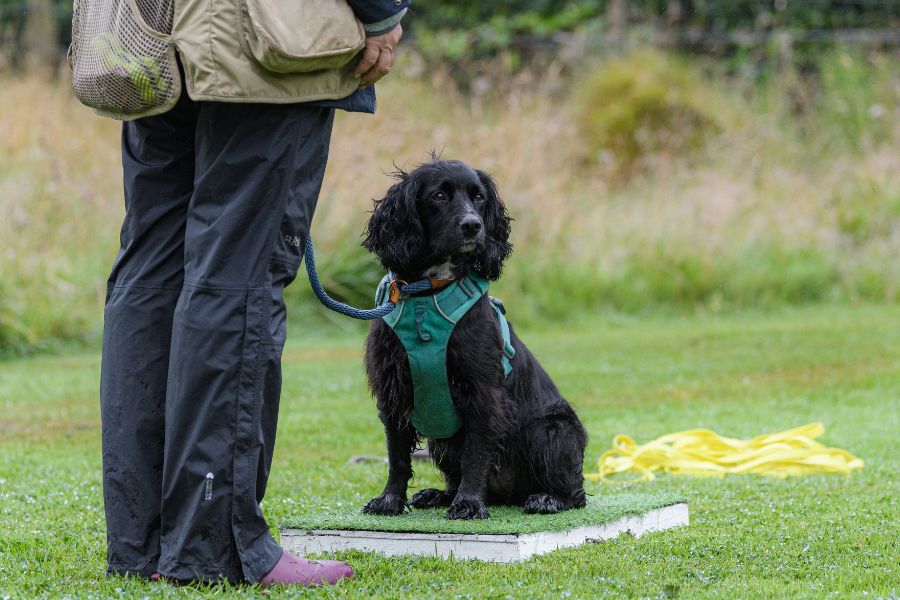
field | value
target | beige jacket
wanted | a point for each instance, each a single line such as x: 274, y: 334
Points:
x: 274, y: 51
x: 267, y: 50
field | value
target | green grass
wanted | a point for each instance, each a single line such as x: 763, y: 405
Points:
x: 504, y: 519
x: 741, y: 375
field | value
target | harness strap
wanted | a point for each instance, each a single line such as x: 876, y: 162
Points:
x: 508, y: 350
x: 424, y: 325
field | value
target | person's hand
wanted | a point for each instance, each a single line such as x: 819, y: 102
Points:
x: 378, y: 56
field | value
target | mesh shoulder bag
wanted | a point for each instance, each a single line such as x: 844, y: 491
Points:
x: 122, y: 59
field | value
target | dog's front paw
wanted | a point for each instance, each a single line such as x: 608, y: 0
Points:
x: 543, y: 504
x: 467, y: 508
x: 385, y: 504
x: 432, y: 498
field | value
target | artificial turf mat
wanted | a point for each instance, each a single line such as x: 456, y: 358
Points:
x: 503, y: 520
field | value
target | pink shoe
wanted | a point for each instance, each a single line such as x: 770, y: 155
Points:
x: 293, y: 570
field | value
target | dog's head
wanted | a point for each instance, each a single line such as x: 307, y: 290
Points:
x: 444, y: 218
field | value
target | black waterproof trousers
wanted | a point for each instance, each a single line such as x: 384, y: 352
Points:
x: 219, y: 198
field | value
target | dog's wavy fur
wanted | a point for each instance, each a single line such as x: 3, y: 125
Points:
x: 520, y: 443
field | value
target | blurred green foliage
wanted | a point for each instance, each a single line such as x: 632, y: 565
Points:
x: 791, y: 126
x: 14, y: 16
x: 644, y: 104
x: 473, y: 30
x: 464, y: 30
x: 858, y: 97
x: 455, y: 31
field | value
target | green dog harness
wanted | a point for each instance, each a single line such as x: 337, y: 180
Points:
x: 424, y: 325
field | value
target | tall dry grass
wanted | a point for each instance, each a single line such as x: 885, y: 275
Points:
x: 781, y: 205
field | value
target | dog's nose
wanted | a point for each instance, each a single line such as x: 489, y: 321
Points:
x: 470, y: 226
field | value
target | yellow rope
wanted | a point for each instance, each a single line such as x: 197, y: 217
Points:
x: 702, y: 452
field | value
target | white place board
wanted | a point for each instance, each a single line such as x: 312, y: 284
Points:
x: 502, y: 548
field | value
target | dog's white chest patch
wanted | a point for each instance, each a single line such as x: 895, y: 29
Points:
x: 441, y: 271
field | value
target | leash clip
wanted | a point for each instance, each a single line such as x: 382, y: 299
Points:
x: 395, y: 294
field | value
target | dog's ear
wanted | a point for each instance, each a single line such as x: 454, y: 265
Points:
x: 394, y: 233
x: 496, y: 224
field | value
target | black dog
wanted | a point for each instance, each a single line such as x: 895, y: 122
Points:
x: 520, y: 442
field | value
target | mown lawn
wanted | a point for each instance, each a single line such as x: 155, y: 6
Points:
x: 740, y: 375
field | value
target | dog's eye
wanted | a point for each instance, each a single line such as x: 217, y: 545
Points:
x: 479, y: 198
x: 439, y: 197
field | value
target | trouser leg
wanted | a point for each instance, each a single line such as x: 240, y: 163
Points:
x: 283, y: 270
x: 158, y: 166
x: 258, y: 173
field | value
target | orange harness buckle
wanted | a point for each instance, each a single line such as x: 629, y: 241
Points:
x: 394, y: 293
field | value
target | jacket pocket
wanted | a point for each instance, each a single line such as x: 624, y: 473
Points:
x: 299, y: 37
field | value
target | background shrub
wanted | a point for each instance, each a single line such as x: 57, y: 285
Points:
x: 644, y: 105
